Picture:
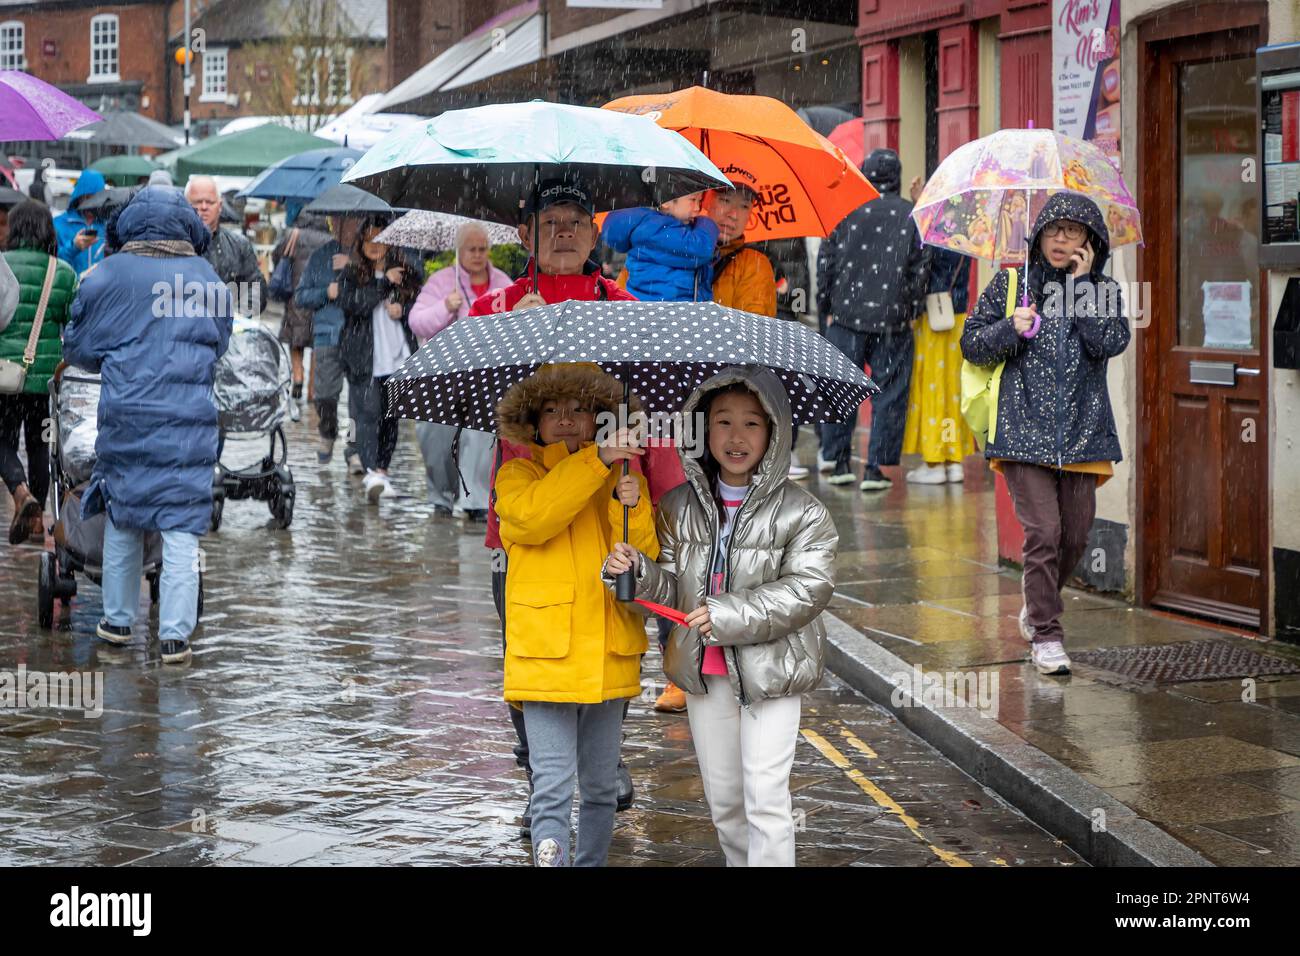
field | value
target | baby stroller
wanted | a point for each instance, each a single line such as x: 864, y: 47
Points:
x: 252, y: 392
x: 78, y: 543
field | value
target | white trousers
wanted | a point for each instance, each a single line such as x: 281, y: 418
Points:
x: 745, y: 756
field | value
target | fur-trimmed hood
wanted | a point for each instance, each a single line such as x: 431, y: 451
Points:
x: 518, y: 409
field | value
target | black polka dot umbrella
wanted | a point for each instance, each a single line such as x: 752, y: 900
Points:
x: 664, y: 350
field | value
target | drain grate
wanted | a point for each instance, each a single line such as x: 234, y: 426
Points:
x: 1185, y: 661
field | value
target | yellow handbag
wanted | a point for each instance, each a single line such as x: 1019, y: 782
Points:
x: 980, y: 384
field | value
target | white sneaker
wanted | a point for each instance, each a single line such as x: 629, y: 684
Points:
x: 373, y: 486
x: 1050, y: 658
x: 797, y: 472
x: 548, y: 854
x: 354, y: 464
x: 927, y: 475
x: 1026, y: 631
x: 386, y: 489
x: 956, y: 473
x: 824, y: 467
x: 295, y: 411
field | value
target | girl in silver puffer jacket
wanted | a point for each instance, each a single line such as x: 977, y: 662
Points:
x: 748, y: 556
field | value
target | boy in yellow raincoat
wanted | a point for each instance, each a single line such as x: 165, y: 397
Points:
x: 573, y: 653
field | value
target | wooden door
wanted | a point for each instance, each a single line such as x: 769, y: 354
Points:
x: 1203, y: 479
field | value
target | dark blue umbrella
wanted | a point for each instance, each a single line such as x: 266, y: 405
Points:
x: 303, y: 176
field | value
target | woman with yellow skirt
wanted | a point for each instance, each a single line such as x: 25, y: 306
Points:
x: 935, y: 427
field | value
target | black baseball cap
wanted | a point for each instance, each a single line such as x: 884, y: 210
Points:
x: 552, y: 192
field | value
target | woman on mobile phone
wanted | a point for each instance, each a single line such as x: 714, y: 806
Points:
x: 1055, y: 439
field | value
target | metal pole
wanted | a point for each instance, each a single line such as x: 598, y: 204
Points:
x: 188, y: 81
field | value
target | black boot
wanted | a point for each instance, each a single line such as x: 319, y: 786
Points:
x: 526, y: 827
x: 625, y: 789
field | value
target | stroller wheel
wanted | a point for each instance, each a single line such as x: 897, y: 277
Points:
x: 282, y: 509
x: 47, y: 574
x: 218, y: 506
x: 154, y: 589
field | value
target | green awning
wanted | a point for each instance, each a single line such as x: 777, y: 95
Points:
x: 240, y: 154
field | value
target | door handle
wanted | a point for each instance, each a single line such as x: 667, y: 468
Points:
x: 1247, y: 371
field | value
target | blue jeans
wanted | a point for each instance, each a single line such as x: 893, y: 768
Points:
x: 178, y: 604
x: 889, y: 354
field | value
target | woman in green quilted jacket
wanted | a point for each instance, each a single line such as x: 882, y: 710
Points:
x: 31, y: 247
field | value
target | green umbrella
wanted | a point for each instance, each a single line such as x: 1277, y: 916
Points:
x: 122, y: 169
x: 240, y: 154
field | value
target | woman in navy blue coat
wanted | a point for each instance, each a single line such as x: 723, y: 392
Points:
x: 152, y: 319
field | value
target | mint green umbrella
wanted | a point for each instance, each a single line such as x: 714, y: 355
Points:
x: 240, y: 154
x: 485, y: 162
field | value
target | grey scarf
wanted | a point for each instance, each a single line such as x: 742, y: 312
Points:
x: 160, y: 248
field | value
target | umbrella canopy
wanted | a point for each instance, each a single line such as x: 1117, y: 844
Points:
x: 345, y: 200
x: 804, y: 185
x: 31, y: 109
x: 824, y: 118
x: 484, y: 162
x: 104, y: 202
x: 240, y: 154
x: 123, y: 128
x: 851, y: 136
x: 983, y: 199
x: 303, y: 176
x: 10, y: 197
x: 663, y: 350
x: 119, y: 168
x: 420, y: 229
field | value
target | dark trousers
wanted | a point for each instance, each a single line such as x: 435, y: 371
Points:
x: 890, y: 356
x: 376, y: 432
x: 516, y: 714
x: 1056, y: 509
x: 25, y: 414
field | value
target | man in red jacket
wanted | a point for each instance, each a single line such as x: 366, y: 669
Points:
x: 566, y: 234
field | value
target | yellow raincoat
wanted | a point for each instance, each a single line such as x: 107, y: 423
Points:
x: 567, y: 639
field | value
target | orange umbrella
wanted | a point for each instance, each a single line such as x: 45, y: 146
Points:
x: 804, y: 183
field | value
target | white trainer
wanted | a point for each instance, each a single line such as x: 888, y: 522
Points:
x: 956, y: 473
x: 927, y: 475
x: 824, y: 467
x: 373, y: 486
x: 295, y: 411
x: 1026, y: 630
x: 1050, y: 658
x: 548, y: 853
x: 354, y: 464
x: 797, y: 472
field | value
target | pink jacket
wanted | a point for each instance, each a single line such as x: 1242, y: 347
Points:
x: 429, y: 314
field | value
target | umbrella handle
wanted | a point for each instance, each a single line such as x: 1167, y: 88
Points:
x: 537, y: 219
x: 625, y: 589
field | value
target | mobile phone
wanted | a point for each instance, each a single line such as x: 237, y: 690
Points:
x: 92, y: 233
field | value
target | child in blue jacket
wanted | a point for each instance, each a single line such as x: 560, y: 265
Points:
x: 670, y: 250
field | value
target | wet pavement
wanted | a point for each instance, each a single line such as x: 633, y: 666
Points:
x: 343, y: 707
x: 1216, y: 763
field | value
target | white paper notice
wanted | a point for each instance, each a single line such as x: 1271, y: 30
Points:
x: 1272, y: 147
x: 1226, y: 313
x: 1291, y: 181
x: 1274, y: 184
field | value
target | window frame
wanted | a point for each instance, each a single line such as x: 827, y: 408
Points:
x: 20, y: 28
x: 116, y: 75
x: 211, y: 96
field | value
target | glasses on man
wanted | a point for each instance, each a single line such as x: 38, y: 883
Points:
x: 1071, y: 230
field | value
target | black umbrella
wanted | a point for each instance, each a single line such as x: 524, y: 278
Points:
x: 105, y: 201
x: 121, y: 128
x: 823, y: 118
x: 345, y: 200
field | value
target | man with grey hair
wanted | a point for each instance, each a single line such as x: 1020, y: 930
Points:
x: 229, y: 253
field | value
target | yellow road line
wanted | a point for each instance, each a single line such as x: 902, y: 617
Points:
x: 875, y: 793
x: 856, y: 742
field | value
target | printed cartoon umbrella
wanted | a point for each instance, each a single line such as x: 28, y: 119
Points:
x: 661, y: 350
x: 805, y: 185
x: 420, y: 229
x: 31, y: 109
x: 120, y: 169
x: 303, y: 176
x: 983, y: 199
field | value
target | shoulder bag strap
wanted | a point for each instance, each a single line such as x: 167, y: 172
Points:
x: 29, y: 354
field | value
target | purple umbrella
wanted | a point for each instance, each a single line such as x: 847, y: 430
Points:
x: 33, y: 109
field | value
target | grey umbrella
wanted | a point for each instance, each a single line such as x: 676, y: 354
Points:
x: 345, y: 200
x: 662, y: 350
x: 121, y: 128
x: 10, y: 197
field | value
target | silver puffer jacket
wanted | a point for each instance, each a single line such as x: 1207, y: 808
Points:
x: 781, y: 577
